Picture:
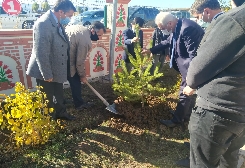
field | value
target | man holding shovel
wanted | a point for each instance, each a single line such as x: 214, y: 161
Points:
x: 80, y: 44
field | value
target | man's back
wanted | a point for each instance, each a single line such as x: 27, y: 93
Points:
x: 80, y: 44
x: 222, y: 78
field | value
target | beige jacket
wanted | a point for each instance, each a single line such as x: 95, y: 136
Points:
x: 80, y: 44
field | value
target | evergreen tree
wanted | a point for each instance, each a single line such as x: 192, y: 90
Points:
x: 79, y: 9
x: 35, y: 7
x: 136, y: 85
x: 225, y: 5
x: 45, y: 6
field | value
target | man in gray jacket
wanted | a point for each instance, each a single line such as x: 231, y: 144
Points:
x: 217, y: 123
x: 48, y: 62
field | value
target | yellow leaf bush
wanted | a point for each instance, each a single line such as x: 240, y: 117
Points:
x: 26, y: 115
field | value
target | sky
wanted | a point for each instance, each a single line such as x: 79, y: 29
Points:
x: 163, y: 3
x: 154, y: 3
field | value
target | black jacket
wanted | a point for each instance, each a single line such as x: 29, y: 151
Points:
x: 128, y: 35
x: 158, y: 37
x: 218, y: 70
x: 188, y: 35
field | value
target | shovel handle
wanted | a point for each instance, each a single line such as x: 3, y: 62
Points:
x: 97, y: 94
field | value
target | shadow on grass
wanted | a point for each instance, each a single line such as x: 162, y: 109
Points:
x: 99, y: 138
x: 103, y: 147
x: 112, y: 148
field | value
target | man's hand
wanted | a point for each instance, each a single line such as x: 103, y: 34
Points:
x: 134, y: 39
x: 151, y: 56
x: 188, y: 91
x: 49, y: 80
x: 145, y: 51
x: 83, y: 79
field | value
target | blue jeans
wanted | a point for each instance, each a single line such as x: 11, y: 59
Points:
x: 76, y: 90
x: 214, y: 141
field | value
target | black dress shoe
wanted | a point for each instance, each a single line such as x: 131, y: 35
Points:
x: 65, y: 116
x: 168, y: 123
x: 184, y: 162
x: 68, y: 101
x: 187, y: 144
x: 186, y: 118
x: 85, y: 106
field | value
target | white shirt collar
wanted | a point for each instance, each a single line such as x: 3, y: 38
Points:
x: 217, y: 15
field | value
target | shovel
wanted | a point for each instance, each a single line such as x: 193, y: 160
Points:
x: 109, y: 107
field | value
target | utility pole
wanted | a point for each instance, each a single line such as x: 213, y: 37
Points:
x: 83, y: 5
x: 113, y: 36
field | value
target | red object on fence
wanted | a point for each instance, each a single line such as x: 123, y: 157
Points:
x: 11, y: 7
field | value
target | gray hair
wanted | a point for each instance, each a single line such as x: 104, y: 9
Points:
x: 75, y: 21
x: 164, y: 17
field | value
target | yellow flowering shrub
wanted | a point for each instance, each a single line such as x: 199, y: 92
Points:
x: 26, y: 115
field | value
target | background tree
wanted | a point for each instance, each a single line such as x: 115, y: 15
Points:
x: 35, y: 7
x: 45, y: 6
x: 79, y: 9
x: 86, y: 9
x: 225, y: 5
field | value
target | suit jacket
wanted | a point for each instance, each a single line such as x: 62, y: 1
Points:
x: 128, y: 36
x: 188, y: 35
x: 80, y: 44
x: 157, y: 38
x: 49, y: 53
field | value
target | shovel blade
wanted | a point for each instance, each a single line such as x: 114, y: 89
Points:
x: 112, y: 108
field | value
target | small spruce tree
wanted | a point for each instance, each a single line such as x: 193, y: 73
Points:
x: 136, y: 85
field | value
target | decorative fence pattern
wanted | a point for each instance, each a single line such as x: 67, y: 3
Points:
x: 15, y: 52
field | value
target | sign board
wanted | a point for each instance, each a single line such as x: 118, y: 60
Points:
x: 11, y: 7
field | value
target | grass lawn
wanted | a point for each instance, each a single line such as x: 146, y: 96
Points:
x: 98, y: 138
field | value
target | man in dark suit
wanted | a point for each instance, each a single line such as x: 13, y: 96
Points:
x: 183, y: 42
x: 217, y: 123
x: 129, y: 39
x: 48, y: 62
x: 158, y: 36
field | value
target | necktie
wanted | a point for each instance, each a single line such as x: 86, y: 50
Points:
x: 172, y: 53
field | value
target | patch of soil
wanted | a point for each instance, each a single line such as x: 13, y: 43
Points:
x: 131, y: 114
x: 146, y: 117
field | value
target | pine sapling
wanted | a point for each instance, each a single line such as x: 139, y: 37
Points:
x: 136, y: 85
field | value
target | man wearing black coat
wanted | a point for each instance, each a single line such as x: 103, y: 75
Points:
x: 217, y: 123
x: 183, y: 42
x: 158, y: 36
x: 130, y: 38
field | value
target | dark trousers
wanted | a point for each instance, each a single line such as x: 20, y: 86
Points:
x: 214, y: 141
x: 76, y: 90
x: 53, y: 90
x: 185, y: 104
x: 158, y: 59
